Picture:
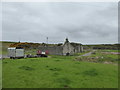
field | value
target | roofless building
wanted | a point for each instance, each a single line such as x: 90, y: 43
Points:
x: 67, y: 48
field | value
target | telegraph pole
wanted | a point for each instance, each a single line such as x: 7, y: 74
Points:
x: 19, y: 39
x: 47, y: 44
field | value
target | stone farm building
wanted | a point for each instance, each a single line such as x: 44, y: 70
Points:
x: 66, y: 49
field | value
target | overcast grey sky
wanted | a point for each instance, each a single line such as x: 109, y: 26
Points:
x: 86, y: 23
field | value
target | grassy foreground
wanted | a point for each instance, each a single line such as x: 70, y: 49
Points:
x: 58, y: 72
x: 0, y: 74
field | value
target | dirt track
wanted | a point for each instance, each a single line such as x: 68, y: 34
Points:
x: 88, y: 54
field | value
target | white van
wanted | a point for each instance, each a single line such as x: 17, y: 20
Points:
x: 15, y: 52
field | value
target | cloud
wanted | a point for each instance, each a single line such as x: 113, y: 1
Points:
x: 87, y: 23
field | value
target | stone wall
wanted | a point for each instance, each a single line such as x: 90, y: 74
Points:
x: 52, y: 50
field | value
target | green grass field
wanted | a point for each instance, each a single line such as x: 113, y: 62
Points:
x: 0, y: 74
x: 58, y: 72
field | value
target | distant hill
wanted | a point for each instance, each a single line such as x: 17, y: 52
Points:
x: 102, y: 46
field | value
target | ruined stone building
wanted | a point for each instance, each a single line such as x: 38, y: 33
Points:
x: 65, y: 49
